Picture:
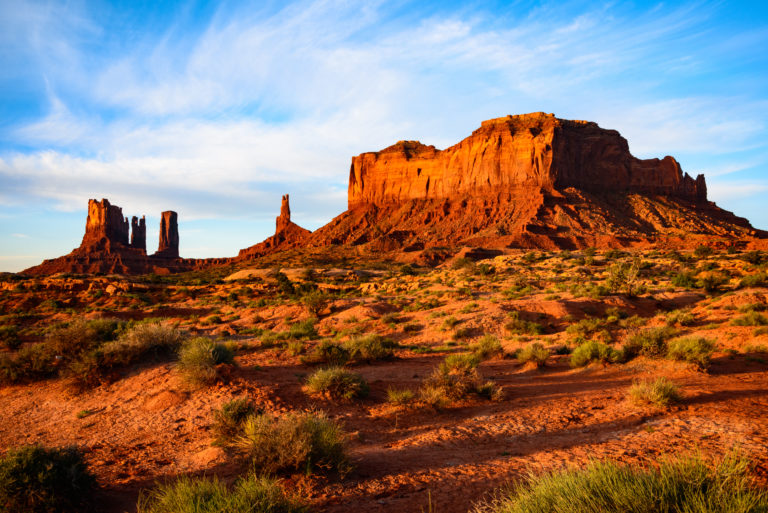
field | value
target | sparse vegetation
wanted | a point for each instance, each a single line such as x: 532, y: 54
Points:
x: 535, y: 354
x: 34, y: 479
x: 198, y: 358
x: 696, y: 350
x: 250, y: 494
x: 299, y: 442
x: 370, y: 347
x: 660, y: 392
x: 229, y: 419
x: 592, y: 351
x: 338, y: 383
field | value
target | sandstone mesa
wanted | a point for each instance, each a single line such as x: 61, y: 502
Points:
x: 525, y: 181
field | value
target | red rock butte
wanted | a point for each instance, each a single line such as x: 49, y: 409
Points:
x: 526, y: 181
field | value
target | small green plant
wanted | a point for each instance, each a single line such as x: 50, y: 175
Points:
x: 623, y: 277
x: 400, y: 397
x: 450, y: 323
x: 228, y: 420
x: 34, y: 479
x: 712, y: 281
x: 518, y: 326
x: 651, y: 342
x: 198, y: 358
x: 754, y: 280
x: 750, y: 319
x: 329, y: 353
x: 681, y: 318
x: 487, y: 347
x: 315, y: 301
x: 9, y: 337
x: 592, y: 351
x: 338, y: 383
x: 696, y: 350
x: 455, y: 378
x: 685, y: 279
x: 660, y: 392
x: 250, y: 494
x: 683, y: 484
x: 535, y: 354
x: 371, y: 347
x: 294, y: 442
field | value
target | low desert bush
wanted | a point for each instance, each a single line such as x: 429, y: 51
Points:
x: 754, y: 280
x: 198, y: 358
x: 487, y: 347
x: 684, y: 484
x: 680, y: 317
x: 371, y: 347
x: 592, y: 351
x: 651, y: 342
x: 659, y: 392
x: 143, y: 341
x: 685, y: 279
x: 712, y: 281
x: 400, y: 397
x: 294, y: 442
x: 9, y: 337
x: 696, y: 350
x: 455, y: 378
x: 229, y: 419
x: 519, y: 326
x: 35, y: 479
x: 250, y: 494
x: 36, y: 361
x: 70, y: 340
x: 750, y: 319
x: 535, y: 354
x: 329, y: 353
x: 337, y: 383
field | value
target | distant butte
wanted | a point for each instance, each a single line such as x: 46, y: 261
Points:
x: 526, y: 181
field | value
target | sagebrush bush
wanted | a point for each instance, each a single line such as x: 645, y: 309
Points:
x: 250, y: 494
x: 455, y: 378
x: 400, y: 397
x: 696, y: 350
x: 535, y: 354
x: 70, y: 340
x: 371, y: 347
x: 228, y: 420
x: 686, y: 484
x: 36, y: 479
x: 681, y: 317
x: 329, y: 353
x: 487, y: 347
x: 9, y: 337
x: 592, y: 351
x: 659, y: 392
x: 338, y: 383
x: 754, y: 280
x: 198, y: 358
x: 651, y: 342
x: 294, y: 442
x: 36, y: 361
x: 750, y: 319
x: 140, y: 342
x: 519, y: 326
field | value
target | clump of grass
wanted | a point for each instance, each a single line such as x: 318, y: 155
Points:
x: 750, y: 319
x: 518, y: 326
x: 651, y: 342
x: 754, y: 280
x: 36, y: 479
x: 450, y: 323
x: 329, y: 353
x: 140, y: 342
x: 9, y: 337
x: 294, y: 442
x: 535, y: 354
x: 680, y: 317
x: 198, y: 358
x: 250, y: 494
x: 338, y: 383
x: 455, y: 378
x: 36, y: 361
x: 487, y: 348
x: 696, y: 350
x: 400, y: 397
x: 677, y: 485
x: 371, y: 347
x: 592, y: 351
x: 229, y: 418
x: 660, y: 392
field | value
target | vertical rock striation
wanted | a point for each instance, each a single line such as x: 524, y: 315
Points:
x: 139, y: 233
x: 169, y: 235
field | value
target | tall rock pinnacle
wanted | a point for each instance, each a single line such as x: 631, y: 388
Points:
x: 169, y: 235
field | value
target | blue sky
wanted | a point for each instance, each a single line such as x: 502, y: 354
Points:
x: 215, y: 109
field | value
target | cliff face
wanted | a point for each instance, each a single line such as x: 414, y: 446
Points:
x: 105, y: 222
x: 168, y: 246
x: 530, y: 151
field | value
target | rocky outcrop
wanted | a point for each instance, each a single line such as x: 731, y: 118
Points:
x: 287, y: 235
x: 168, y: 246
x: 139, y: 233
x: 531, y: 151
x: 105, y: 224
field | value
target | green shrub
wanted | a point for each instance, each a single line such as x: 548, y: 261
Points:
x: 198, y: 358
x: 450, y: 323
x: 294, y: 442
x: 696, y: 350
x: 681, y: 317
x: 750, y: 319
x: 487, y: 347
x: 371, y: 347
x: 250, y: 494
x: 228, y: 420
x: 35, y: 479
x: 338, y: 383
x: 400, y: 397
x: 454, y: 379
x: 702, y: 251
x: 754, y: 257
x: 534, y: 353
x: 9, y: 337
x: 651, y: 342
x: 328, y: 352
x: 518, y: 326
x: 36, y: 361
x: 659, y: 392
x: 623, y: 277
x: 685, y: 484
x: 140, y: 342
x: 754, y: 280
x: 315, y: 301
x: 685, y: 279
x: 712, y: 281
x: 593, y: 351
x: 70, y: 340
